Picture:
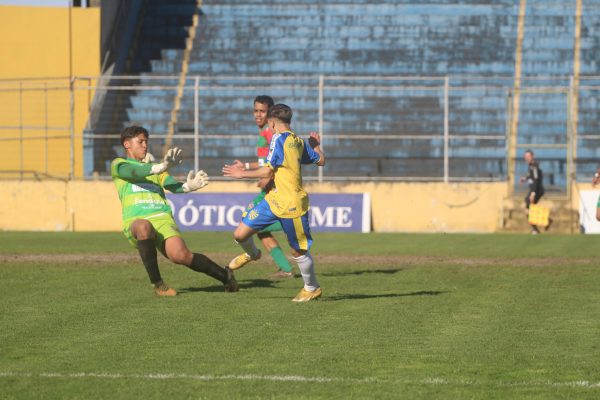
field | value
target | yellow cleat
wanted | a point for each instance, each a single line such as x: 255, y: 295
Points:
x: 305, y: 295
x: 242, y: 260
x: 163, y: 290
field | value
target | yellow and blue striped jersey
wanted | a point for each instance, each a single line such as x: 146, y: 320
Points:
x: 286, y: 154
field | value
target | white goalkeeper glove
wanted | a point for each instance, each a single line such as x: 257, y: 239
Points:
x: 170, y: 160
x: 195, y: 181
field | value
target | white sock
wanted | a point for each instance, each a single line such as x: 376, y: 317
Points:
x: 249, y: 247
x: 307, y: 269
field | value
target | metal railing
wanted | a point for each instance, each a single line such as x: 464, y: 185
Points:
x: 397, y: 126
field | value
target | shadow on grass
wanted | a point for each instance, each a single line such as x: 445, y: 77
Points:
x: 245, y: 284
x: 362, y: 272
x: 376, y: 296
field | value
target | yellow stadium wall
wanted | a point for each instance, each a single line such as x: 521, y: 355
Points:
x: 34, y: 42
x: 396, y: 207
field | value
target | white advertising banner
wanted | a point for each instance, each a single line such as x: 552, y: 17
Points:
x: 588, y: 199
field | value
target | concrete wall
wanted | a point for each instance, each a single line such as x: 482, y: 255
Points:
x: 396, y: 207
x: 34, y: 42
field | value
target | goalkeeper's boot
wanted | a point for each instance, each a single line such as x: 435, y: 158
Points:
x: 305, y: 295
x: 242, y: 260
x: 163, y: 290
x: 231, y: 284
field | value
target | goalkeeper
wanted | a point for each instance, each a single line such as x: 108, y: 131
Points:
x: 148, y: 222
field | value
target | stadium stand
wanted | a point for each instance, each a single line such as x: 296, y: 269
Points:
x: 291, y: 43
x: 150, y: 34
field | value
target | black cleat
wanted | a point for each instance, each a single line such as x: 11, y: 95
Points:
x: 231, y: 284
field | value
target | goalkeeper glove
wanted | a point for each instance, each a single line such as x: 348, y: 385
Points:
x: 170, y: 160
x: 195, y: 181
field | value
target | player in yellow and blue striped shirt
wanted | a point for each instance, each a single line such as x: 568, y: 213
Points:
x: 287, y: 202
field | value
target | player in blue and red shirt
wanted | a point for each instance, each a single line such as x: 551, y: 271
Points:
x: 288, y: 201
x: 261, y: 108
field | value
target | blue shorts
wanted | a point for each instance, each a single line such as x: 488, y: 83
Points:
x: 297, y: 229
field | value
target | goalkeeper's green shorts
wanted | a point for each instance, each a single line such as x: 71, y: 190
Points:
x: 163, y: 224
x: 276, y: 227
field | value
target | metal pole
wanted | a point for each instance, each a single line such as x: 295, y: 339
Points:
x: 571, y: 137
x: 71, y: 93
x: 46, y: 124
x: 196, y: 125
x: 446, y: 127
x: 321, y: 87
x: 21, y: 127
x: 516, y: 99
x: 72, y: 128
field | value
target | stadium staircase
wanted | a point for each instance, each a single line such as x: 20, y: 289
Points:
x: 159, y: 40
x: 564, y: 218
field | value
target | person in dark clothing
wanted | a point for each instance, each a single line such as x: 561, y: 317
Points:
x: 535, y: 181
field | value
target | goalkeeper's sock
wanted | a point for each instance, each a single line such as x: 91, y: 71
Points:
x: 147, y: 250
x: 280, y: 259
x: 249, y: 247
x: 201, y: 263
x: 307, y: 269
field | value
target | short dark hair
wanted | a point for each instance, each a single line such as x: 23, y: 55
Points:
x: 529, y: 151
x: 132, y: 131
x: 281, y: 112
x: 264, y: 99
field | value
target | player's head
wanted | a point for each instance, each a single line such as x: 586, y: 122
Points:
x: 280, y: 114
x: 261, y: 108
x: 135, y: 141
x: 528, y: 155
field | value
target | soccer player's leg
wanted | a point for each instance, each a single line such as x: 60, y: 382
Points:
x: 537, y: 199
x: 297, y: 231
x: 142, y: 235
x: 255, y: 220
x: 173, y: 246
x: 250, y: 251
x: 284, y: 268
x: 534, y: 229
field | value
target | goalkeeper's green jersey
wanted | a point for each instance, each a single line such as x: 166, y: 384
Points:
x: 141, y: 193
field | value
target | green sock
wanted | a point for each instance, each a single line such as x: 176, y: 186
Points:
x: 280, y: 259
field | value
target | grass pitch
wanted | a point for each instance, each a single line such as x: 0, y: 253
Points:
x: 402, y: 316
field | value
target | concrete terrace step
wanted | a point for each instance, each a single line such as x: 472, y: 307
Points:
x: 564, y: 218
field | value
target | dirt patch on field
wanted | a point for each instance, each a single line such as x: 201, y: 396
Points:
x: 371, y: 260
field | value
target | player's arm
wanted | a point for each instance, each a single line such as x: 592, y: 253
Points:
x: 313, y: 153
x: 128, y: 171
x: 247, y: 165
x: 239, y: 172
x: 274, y: 159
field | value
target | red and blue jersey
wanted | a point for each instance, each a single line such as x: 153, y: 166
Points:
x: 262, y: 146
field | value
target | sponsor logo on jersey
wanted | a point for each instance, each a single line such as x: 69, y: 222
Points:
x: 144, y: 187
x: 253, y: 214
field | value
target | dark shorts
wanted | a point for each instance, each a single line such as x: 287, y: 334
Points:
x: 535, y: 200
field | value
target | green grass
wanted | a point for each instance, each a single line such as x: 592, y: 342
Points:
x: 423, y: 324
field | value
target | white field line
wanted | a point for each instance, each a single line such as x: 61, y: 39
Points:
x: 298, y: 378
